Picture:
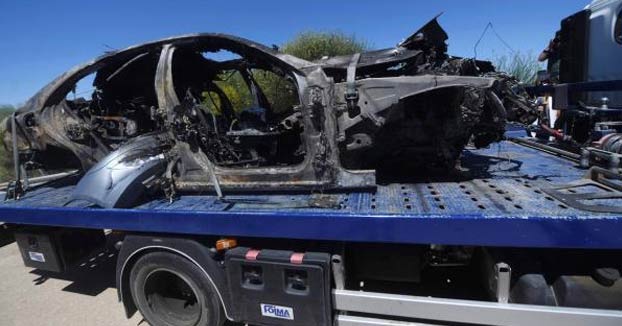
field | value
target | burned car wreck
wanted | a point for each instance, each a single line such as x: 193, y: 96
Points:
x: 163, y: 116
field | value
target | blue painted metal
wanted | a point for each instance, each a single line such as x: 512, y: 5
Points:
x: 500, y: 205
x: 589, y: 86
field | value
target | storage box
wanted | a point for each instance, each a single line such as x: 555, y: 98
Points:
x: 274, y: 287
x: 54, y: 249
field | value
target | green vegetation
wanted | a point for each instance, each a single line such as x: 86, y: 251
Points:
x: 280, y: 91
x: 523, y: 66
x: 6, y: 171
x: 233, y: 85
x: 315, y: 45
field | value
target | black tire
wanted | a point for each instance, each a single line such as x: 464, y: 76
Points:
x: 169, y: 290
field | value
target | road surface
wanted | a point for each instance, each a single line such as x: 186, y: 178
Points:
x: 85, y: 295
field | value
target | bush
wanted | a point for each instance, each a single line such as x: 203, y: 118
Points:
x: 315, y: 45
x: 279, y: 91
x: 522, y: 66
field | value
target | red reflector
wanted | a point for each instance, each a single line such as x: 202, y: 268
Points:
x: 296, y: 258
x: 252, y: 254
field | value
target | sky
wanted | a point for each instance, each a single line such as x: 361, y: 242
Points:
x: 41, y: 39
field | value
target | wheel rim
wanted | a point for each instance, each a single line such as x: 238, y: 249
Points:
x: 172, y: 298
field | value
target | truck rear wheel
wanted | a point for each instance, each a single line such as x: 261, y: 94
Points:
x: 170, y: 290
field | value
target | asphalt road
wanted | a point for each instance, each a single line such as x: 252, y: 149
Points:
x: 85, y: 295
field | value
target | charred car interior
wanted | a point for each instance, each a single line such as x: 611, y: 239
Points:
x: 211, y: 112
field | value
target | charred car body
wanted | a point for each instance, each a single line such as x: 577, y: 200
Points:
x: 162, y: 116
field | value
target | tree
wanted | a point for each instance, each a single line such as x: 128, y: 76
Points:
x: 523, y: 66
x: 315, y: 45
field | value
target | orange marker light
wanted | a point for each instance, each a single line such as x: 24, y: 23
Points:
x: 224, y: 244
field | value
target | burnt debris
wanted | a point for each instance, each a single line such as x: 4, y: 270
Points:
x: 221, y: 112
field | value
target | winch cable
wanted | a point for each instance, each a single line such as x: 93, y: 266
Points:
x: 491, y: 27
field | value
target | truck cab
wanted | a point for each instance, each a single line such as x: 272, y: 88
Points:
x: 604, y: 46
x: 588, y: 48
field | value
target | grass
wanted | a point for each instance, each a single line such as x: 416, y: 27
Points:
x: 523, y: 66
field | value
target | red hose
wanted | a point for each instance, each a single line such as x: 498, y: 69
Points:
x: 555, y: 133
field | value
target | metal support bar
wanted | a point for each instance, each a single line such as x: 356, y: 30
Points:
x: 15, y: 188
x: 503, y: 273
x: 212, y: 174
x: 342, y: 320
x: 352, y: 94
x: 469, y: 311
x: 43, y: 179
x: 590, y: 86
x: 604, y: 184
x: 591, y: 154
x: 16, y: 164
x: 547, y: 148
x: 338, y: 271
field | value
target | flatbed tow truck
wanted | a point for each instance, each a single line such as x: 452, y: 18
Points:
x: 504, y: 203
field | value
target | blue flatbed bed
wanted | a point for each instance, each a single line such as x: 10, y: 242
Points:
x: 501, y: 205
